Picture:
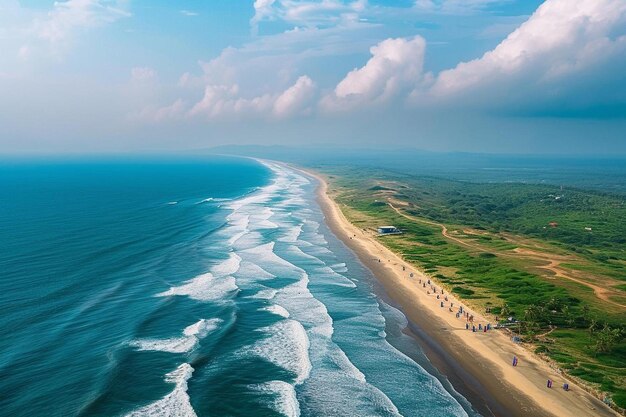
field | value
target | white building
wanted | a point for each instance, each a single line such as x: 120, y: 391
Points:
x: 388, y: 230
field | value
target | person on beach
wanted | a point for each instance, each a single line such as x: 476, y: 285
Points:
x: 549, y: 384
x: 466, y: 326
x: 514, y: 360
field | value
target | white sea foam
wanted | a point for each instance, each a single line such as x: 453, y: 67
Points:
x: 340, y: 267
x: 237, y: 227
x: 246, y: 240
x: 286, y: 346
x: 173, y: 345
x: 251, y: 271
x: 202, y: 327
x: 264, y: 256
x: 266, y: 294
x: 332, y: 277
x: 171, y: 203
x: 227, y: 267
x: 187, y: 342
x: 285, y: 401
x: 204, y: 287
x: 295, y: 250
x: 174, y: 404
x: 206, y: 200
x: 305, y: 308
x: 278, y: 310
x: 265, y: 224
x: 292, y: 234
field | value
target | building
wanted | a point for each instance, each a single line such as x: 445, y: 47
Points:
x: 388, y: 230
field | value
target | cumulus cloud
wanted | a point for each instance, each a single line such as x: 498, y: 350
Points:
x: 561, y: 40
x: 223, y: 101
x: 396, y: 67
x: 306, y: 13
x: 296, y: 98
x: 230, y: 102
x: 560, y: 48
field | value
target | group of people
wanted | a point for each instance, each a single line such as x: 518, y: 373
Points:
x: 443, y: 299
x: 469, y: 318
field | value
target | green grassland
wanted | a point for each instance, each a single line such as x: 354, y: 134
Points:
x: 562, y: 319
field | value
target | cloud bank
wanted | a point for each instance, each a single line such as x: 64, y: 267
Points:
x: 545, y: 65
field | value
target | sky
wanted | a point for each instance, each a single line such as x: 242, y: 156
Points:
x: 501, y: 76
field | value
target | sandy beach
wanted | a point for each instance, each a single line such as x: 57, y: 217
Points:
x: 479, y: 364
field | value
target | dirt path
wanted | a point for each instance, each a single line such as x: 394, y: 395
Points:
x: 554, y: 265
x: 553, y: 261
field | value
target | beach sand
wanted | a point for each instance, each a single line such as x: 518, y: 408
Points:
x: 478, y: 364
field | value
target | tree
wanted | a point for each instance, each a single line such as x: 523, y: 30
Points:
x: 607, y: 338
x: 586, y: 313
x: 532, y: 316
x: 569, y: 318
x: 505, y: 310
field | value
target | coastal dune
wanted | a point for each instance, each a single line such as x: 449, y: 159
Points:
x: 478, y: 363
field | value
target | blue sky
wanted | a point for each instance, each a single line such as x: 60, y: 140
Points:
x: 521, y: 76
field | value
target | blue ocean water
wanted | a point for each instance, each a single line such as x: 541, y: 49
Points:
x: 206, y: 287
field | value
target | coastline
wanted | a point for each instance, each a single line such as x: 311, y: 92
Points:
x: 477, y: 364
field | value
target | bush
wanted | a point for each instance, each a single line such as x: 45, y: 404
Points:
x: 463, y: 292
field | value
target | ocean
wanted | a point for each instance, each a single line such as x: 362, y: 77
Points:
x: 197, y: 286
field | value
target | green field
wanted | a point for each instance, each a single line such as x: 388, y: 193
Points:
x: 502, y: 241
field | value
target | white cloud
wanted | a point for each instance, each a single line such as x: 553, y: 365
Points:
x: 561, y: 38
x: 188, y: 13
x: 307, y: 13
x: 296, y: 99
x: 70, y: 15
x: 534, y: 64
x: 454, y: 6
x: 227, y: 101
x: 395, y: 68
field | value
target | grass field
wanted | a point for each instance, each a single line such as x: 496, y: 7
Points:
x: 553, y: 258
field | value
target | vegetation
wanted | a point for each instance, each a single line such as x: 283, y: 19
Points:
x: 555, y: 259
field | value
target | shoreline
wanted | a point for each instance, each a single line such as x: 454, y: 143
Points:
x: 477, y: 364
